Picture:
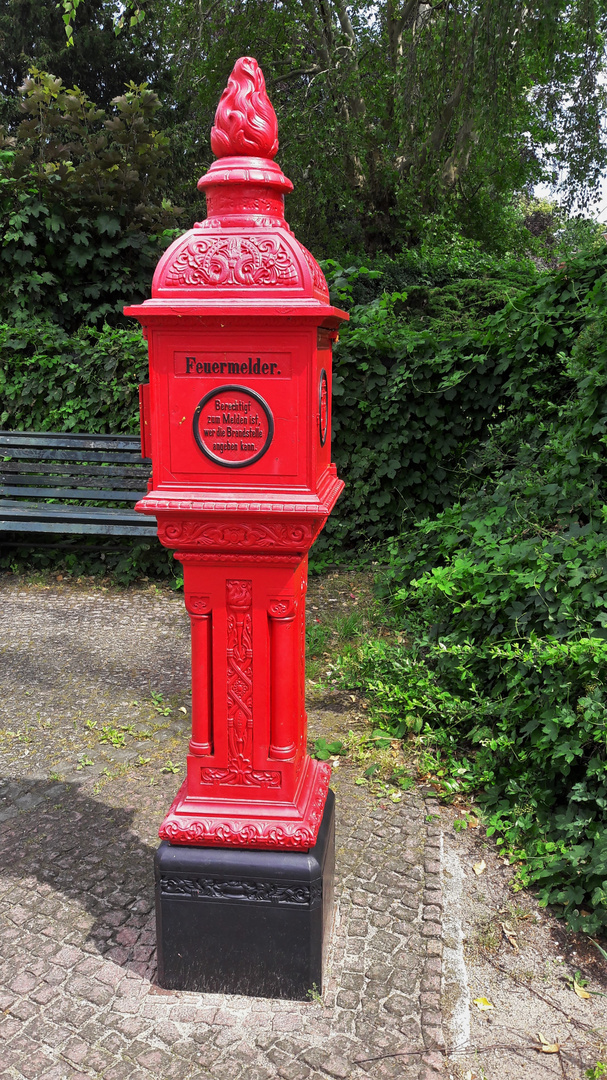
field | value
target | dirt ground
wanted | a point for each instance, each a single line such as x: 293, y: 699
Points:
x: 500, y: 945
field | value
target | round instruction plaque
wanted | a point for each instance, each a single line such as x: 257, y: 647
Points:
x: 233, y: 426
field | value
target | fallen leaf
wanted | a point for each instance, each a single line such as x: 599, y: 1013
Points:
x: 581, y: 993
x: 483, y: 1004
x: 479, y: 867
x: 510, y: 937
x: 472, y: 823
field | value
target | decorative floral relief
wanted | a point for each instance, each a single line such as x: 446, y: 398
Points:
x: 282, y: 607
x: 264, y: 834
x: 223, y: 203
x: 198, y: 605
x: 239, y: 600
x: 233, y: 260
x: 264, y: 892
x: 318, y: 278
x: 241, y: 772
x: 228, y: 535
x: 210, y: 224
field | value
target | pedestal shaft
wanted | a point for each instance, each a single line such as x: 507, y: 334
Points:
x: 249, y: 779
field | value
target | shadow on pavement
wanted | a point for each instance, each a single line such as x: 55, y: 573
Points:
x: 59, y: 840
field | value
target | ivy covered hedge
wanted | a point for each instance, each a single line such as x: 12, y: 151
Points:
x: 51, y: 380
x: 413, y: 389
x: 501, y: 602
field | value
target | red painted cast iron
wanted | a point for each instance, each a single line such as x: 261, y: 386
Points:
x: 238, y: 425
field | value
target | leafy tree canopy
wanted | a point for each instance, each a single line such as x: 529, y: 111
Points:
x: 83, y: 217
x: 389, y: 111
x: 100, y: 62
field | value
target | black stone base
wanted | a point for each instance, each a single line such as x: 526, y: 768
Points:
x: 245, y: 922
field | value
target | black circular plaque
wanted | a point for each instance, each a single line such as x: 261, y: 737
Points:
x: 233, y: 426
x: 323, y: 407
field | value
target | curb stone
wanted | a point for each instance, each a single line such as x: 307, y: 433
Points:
x: 433, y: 1059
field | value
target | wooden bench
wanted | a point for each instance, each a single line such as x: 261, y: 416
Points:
x: 48, y: 481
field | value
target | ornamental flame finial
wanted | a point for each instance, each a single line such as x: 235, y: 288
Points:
x: 245, y: 121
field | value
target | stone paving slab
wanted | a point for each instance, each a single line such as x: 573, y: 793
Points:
x: 78, y: 996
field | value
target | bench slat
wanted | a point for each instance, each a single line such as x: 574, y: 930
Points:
x: 29, y: 454
x: 15, y: 479
x: 52, y: 512
x: 98, y: 529
x: 57, y: 440
x: 135, y: 472
x: 73, y: 493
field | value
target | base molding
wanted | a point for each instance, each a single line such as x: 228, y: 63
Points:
x: 249, y: 823
x: 245, y: 921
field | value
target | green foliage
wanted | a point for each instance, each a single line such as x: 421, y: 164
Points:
x: 413, y: 388
x: 392, y: 112
x: 324, y: 750
x: 317, y: 638
x: 504, y: 596
x: 51, y: 380
x: 99, y: 62
x: 81, y: 196
x: 131, y: 15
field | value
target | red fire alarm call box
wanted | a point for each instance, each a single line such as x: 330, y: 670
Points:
x: 238, y: 420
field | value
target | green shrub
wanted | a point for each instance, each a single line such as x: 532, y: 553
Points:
x: 504, y: 598
x: 84, y: 220
x: 416, y: 393
x: 413, y: 388
x: 51, y: 380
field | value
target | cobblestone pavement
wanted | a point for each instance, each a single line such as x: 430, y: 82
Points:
x: 88, y: 677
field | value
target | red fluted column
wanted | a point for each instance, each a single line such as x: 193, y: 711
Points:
x: 283, y: 678
x: 199, y: 609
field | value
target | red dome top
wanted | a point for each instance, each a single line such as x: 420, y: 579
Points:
x: 244, y: 250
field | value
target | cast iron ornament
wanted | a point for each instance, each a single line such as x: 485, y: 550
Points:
x: 240, y: 277
x: 245, y: 121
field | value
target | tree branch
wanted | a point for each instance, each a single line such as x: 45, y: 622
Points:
x: 345, y: 23
x: 315, y: 69
x: 438, y: 133
x: 396, y: 25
